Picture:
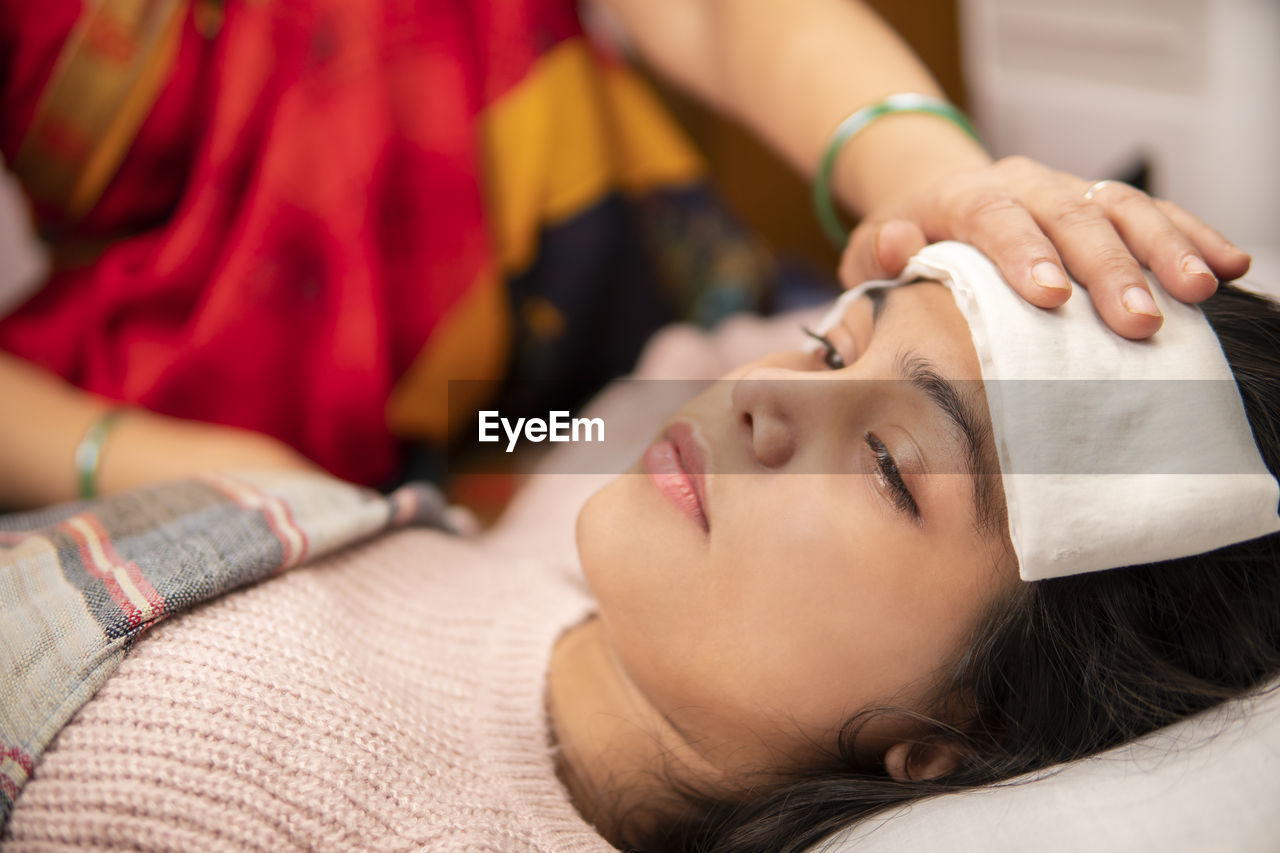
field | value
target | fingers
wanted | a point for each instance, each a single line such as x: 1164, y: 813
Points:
x: 1101, y: 261
x: 1225, y: 259
x: 895, y: 244
x: 879, y: 249
x: 1036, y: 223
x: 997, y: 223
x: 1157, y: 242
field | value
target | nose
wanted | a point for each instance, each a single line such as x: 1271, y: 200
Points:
x: 767, y: 404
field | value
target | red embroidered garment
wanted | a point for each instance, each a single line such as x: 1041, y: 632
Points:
x: 302, y: 211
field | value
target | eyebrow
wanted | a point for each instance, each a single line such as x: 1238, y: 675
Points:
x: 974, y: 430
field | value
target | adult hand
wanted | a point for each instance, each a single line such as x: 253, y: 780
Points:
x: 1031, y: 221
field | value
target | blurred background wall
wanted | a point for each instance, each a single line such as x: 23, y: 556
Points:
x: 1183, y: 95
x: 1185, y: 92
x: 22, y: 262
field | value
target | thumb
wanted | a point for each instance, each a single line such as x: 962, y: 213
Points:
x: 879, y: 250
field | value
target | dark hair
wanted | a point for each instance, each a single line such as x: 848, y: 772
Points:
x: 1064, y: 669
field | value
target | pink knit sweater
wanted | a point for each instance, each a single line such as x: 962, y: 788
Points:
x: 387, y: 698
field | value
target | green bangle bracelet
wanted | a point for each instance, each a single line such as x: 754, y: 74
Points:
x: 907, y: 102
x: 89, y: 452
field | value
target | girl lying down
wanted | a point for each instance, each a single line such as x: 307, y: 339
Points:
x: 834, y: 583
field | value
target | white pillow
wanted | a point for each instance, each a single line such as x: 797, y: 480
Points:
x: 1208, y: 783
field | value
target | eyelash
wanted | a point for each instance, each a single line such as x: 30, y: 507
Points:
x: 831, y: 358
x: 888, y: 468
x: 885, y: 463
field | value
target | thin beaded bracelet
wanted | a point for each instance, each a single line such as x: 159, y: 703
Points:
x: 88, y: 454
x: 905, y: 102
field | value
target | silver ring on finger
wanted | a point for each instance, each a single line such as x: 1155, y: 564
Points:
x: 1098, y: 185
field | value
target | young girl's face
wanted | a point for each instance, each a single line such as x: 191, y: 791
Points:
x: 803, y: 542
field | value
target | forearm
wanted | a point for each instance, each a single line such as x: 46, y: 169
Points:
x: 46, y: 419
x: 791, y: 71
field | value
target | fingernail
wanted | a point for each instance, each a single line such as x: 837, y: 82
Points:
x: 1048, y: 275
x: 877, y: 247
x: 1137, y: 300
x: 1192, y: 265
x: 1234, y: 248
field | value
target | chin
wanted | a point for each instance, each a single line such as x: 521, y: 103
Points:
x: 589, y: 533
x: 631, y: 548
x: 609, y: 536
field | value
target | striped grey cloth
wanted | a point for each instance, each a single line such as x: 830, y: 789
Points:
x: 81, y: 581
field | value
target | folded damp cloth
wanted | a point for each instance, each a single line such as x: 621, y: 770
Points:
x: 1112, y: 452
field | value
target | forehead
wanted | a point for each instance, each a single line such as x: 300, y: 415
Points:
x: 922, y: 318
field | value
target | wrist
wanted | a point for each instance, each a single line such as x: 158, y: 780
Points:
x: 898, y: 156
x: 150, y: 448
x: 88, y: 453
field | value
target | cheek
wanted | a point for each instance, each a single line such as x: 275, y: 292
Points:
x: 641, y: 559
x: 810, y: 604
x: 808, y: 612
x: 781, y: 624
x: 815, y: 614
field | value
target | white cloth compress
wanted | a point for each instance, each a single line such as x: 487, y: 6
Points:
x: 1112, y: 452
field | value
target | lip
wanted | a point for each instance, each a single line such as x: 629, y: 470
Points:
x: 677, y: 466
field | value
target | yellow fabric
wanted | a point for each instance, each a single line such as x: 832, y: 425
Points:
x: 570, y: 132
x: 453, y: 375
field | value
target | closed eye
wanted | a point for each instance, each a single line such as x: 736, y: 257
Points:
x: 891, y: 476
x: 831, y: 356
